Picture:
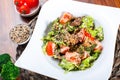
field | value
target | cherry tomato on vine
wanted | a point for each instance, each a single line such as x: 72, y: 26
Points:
x: 32, y: 3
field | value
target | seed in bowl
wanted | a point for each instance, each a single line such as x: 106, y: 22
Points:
x: 20, y: 34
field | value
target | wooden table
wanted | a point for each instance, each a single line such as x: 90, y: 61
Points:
x: 9, y: 17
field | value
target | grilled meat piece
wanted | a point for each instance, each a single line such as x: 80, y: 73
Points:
x: 73, y: 57
x: 76, y: 22
x: 81, y: 35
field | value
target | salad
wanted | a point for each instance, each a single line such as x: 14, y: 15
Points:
x: 74, y: 41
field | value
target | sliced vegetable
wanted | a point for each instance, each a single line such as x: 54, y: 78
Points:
x: 50, y: 47
x: 89, y: 36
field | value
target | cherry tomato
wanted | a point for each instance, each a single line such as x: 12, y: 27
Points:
x: 50, y: 48
x: 24, y: 9
x: 89, y: 35
x: 32, y: 3
x: 19, y: 3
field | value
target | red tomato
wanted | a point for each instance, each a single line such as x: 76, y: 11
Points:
x: 89, y: 36
x: 32, y: 3
x: 24, y: 9
x: 19, y: 3
x: 50, y: 48
x: 65, y: 17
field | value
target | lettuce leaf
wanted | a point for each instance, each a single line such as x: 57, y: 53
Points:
x: 88, y: 62
x: 88, y: 22
x: 97, y: 32
x: 68, y: 66
x: 100, y: 34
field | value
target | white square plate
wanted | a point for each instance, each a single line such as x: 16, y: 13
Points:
x: 35, y: 60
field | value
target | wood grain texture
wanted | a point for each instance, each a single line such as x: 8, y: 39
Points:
x: 112, y: 3
x: 9, y: 17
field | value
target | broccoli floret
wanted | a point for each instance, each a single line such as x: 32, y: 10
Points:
x: 4, y: 58
x: 9, y: 71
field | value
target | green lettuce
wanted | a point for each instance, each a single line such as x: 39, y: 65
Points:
x: 97, y: 32
x: 88, y: 22
x: 88, y: 62
x: 100, y: 34
x: 93, y: 32
x: 68, y: 66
